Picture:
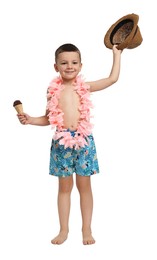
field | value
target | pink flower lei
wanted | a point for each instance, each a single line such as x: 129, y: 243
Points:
x: 55, y: 114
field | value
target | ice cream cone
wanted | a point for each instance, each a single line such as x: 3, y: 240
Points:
x: 18, y: 106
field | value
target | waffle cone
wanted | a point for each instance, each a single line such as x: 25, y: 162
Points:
x: 19, y: 108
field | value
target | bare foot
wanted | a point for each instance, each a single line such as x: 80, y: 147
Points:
x: 88, y: 238
x: 58, y: 240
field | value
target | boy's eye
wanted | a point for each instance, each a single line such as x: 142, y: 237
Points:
x: 64, y: 62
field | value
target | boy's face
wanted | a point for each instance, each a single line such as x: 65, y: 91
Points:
x: 68, y: 65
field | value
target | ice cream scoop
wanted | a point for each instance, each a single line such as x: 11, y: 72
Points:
x: 18, y: 106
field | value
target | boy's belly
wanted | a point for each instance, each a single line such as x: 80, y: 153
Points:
x: 71, y: 120
x: 69, y: 103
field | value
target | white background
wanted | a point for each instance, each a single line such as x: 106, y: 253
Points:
x: 124, y: 218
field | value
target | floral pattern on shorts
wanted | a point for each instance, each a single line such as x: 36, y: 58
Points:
x: 64, y: 162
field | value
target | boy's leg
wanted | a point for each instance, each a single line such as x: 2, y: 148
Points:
x: 64, y: 192
x: 86, y: 203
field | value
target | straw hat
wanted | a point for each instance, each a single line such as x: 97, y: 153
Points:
x: 125, y: 33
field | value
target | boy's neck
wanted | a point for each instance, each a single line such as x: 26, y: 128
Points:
x: 70, y: 82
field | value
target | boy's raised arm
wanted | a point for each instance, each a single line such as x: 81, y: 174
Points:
x: 114, y: 74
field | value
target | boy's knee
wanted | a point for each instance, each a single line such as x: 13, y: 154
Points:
x: 66, y: 185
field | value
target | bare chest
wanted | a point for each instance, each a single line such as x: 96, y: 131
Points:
x: 69, y: 99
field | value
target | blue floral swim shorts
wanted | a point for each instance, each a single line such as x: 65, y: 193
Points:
x: 64, y: 162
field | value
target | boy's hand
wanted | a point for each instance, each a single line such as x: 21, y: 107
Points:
x: 24, y: 118
x: 115, y: 50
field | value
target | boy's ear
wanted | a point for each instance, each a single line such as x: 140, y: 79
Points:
x: 56, y: 67
x: 80, y: 66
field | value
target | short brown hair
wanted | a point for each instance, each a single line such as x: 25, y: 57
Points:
x: 68, y: 47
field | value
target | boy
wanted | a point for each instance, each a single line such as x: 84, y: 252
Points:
x: 73, y: 148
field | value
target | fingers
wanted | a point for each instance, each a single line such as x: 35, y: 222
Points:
x: 23, y: 118
x: 115, y: 49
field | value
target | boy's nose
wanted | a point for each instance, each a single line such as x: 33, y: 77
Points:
x: 69, y: 65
